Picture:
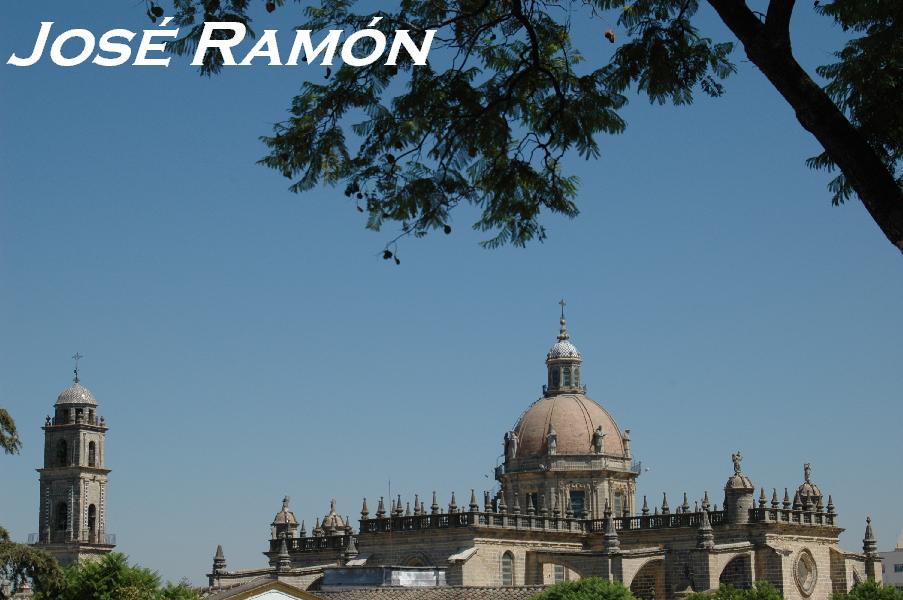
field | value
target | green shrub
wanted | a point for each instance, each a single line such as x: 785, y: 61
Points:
x: 591, y: 588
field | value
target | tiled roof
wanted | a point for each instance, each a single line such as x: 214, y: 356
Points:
x: 433, y: 593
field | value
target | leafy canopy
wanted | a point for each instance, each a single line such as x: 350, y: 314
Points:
x: 761, y: 590
x: 9, y: 436
x: 19, y: 562
x: 866, y: 82
x: 507, y: 96
x: 870, y: 590
x: 113, y: 578
x: 592, y: 588
x: 488, y: 122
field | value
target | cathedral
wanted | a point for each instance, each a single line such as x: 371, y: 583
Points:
x: 566, y: 508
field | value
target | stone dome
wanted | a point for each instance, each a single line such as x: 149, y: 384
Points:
x: 563, y: 349
x: 333, y: 522
x: 76, y: 394
x: 739, y: 481
x: 574, y: 418
x: 285, y: 516
x: 809, y: 490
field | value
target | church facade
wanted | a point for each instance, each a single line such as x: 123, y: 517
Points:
x: 566, y: 508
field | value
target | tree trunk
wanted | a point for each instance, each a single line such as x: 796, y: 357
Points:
x: 768, y: 46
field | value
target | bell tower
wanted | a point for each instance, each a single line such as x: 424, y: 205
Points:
x: 73, y: 480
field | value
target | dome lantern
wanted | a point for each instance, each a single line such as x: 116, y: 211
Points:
x: 563, y: 363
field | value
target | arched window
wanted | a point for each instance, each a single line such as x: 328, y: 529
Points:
x: 619, y: 504
x: 567, y: 377
x: 62, y: 516
x: 92, y: 454
x: 555, y: 377
x: 576, y: 376
x: 92, y: 518
x: 507, y: 569
x: 62, y: 453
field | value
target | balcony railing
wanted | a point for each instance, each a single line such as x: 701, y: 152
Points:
x: 786, y: 515
x: 85, y: 536
x: 313, y: 544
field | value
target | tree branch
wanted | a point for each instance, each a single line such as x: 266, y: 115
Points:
x: 817, y: 113
x: 777, y: 21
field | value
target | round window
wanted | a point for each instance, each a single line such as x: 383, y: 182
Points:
x: 806, y: 572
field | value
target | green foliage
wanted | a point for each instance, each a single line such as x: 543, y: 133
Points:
x: 112, y: 578
x: 487, y: 123
x: 507, y: 96
x: 866, y: 82
x: 869, y: 590
x: 761, y: 590
x: 18, y: 562
x: 9, y: 437
x: 591, y: 588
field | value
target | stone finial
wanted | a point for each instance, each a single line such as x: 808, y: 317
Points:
x: 531, y: 507
x: 786, y: 503
x: 473, y: 506
x: 762, y: 500
x: 819, y: 505
x: 516, y: 509
x: 487, y: 502
x: 610, y: 542
x: 453, y: 505
x: 417, y: 504
x: 392, y: 507
x: 434, y: 508
x: 774, y: 499
x: 348, y: 528
x: 502, y: 506
x: 556, y: 508
x: 381, y: 508
x: 422, y: 509
x: 665, y: 509
x: 219, y: 560
x: 686, y: 504
x: 303, y: 532
x: 705, y: 501
x: 283, y: 559
x: 407, y: 509
x: 831, y: 510
x: 365, y: 512
x: 351, y: 550
x: 543, y: 507
x: 705, y: 537
x: 398, y: 509
x: 645, y: 510
x: 797, y: 503
x: 869, y: 543
x: 655, y: 511
x: 695, y: 506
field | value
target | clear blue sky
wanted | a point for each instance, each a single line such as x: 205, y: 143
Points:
x: 245, y: 343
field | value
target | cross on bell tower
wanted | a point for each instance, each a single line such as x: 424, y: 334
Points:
x: 73, y: 481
